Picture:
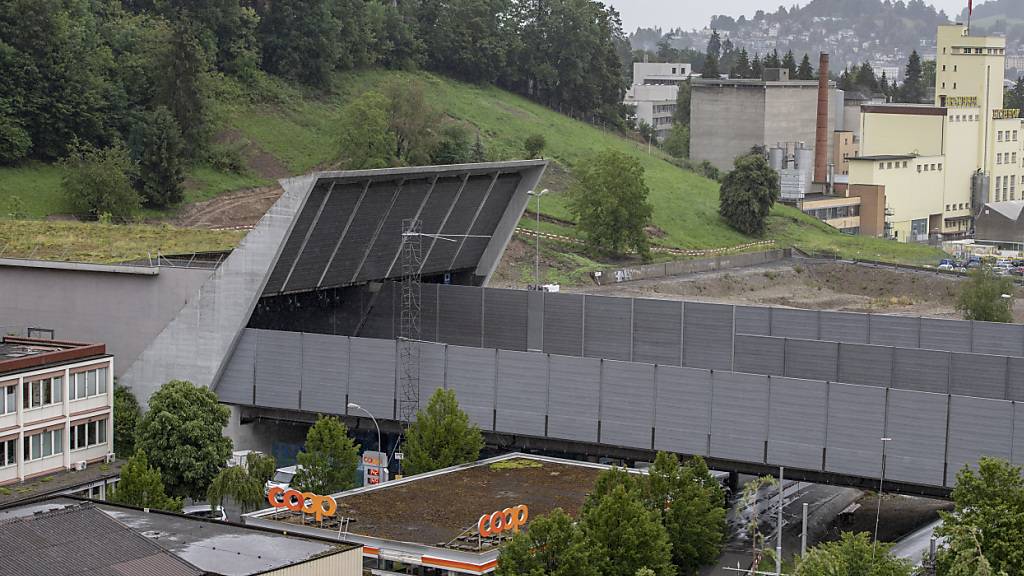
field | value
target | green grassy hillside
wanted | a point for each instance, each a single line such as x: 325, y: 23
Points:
x: 300, y: 132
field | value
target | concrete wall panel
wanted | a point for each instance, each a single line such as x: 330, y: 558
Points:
x: 760, y: 355
x: 657, y: 331
x: 756, y: 320
x: 682, y: 419
x: 978, y: 375
x: 324, y: 373
x: 608, y: 327
x: 278, y: 369
x: 471, y: 373
x: 790, y: 323
x: 522, y: 401
x: 708, y: 333
x: 922, y: 370
x: 916, y: 422
x: 627, y: 404
x: 900, y: 331
x: 563, y: 324
x: 797, y: 422
x: 237, y: 383
x: 573, y: 397
x: 505, y: 319
x: 856, y: 422
x: 844, y: 327
x: 739, y: 424
x: 977, y: 427
x: 864, y: 364
x: 371, y: 377
x: 812, y: 359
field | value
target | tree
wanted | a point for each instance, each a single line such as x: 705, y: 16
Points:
x: 328, y: 461
x: 715, y: 45
x: 412, y: 120
x: 805, y: 71
x: 610, y: 203
x: 913, y: 89
x: 142, y: 486
x: 534, y: 145
x: 852, y: 554
x: 453, y: 146
x: 553, y: 545
x: 865, y: 78
x: 99, y: 181
x: 15, y: 141
x: 789, y: 63
x: 772, y: 60
x: 181, y: 89
x: 647, y: 132
x: 963, y: 555
x: 988, y: 504
x: 126, y: 419
x: 682, y: 114
x: 756, y: 67
x: 695, y: 519
x: 741, y: 67
x: 1014, y: 96
x: 710, y: 67
x: 183, y: 435
x: 479, y: 153
x: 366, y: 140
x: 298, y: 39
x: 626, y: 535
x: 243, y: 484
x: 441, y: 436
x: 982, y: 296
x: 159, y: 150
x: 748, y: 194
x: 677, y: 143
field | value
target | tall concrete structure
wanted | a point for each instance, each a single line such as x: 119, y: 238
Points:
x: 729, y: 117
x: 940, y: 164
x: 821, y: 150
x: 654, y: 92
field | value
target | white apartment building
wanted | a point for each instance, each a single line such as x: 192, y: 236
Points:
x: 56, y: 407
x: 654, y: 91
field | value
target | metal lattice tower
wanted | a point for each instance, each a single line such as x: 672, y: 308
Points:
x: 409, y: 334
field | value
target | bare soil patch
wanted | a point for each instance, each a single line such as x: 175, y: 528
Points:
x: 241, y: 208
x: 899, y: 516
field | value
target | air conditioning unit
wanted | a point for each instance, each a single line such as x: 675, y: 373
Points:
x: 80, y: 465
x: 110, y: 457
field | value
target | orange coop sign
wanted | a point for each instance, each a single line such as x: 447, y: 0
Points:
x: 503, y: 520
x: 305, y: 502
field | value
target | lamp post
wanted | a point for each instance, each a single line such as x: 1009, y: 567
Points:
x: 380, y: 447
x: 878, y: 509
x: 536, y: 276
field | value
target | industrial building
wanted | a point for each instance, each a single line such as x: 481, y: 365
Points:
x: 654, y: 91
x: 1000, y: 224
x: 728, y: 117
x: 939, y: 164
x: 401, y: 522
x: 66, y: 536
x: 56, y: 408
x: 335, y: 299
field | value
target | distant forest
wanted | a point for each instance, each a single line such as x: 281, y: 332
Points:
x: 94, y: 71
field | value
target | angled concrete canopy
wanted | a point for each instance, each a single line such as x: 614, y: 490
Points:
x: 335, y: 229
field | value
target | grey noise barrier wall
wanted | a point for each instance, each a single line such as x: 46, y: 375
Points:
x: 922, y: 354
x: 810, y: 424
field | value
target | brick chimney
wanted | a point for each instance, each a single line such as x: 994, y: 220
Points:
x: 821, y: 134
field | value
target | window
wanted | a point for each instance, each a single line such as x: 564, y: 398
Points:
x: 999, y: 157
x: 42, y: 392
x: 943, y: 85
x: 940, y: 167
x: 954, y: 67
x: 10, y: 400
x: 933, y: 167
x: 8, y: 452
x: 881, y: 165
x: 87, y: 384
x: 954, y: 85
x: 999, y: 136
x: 947, y: 207
x: 1014, y: 160
x: 904, y: 163
x: 943, y: 67
x: 89, y: 434
x: 918, y: 168
x: 44, y: 444
x: 1014, y: 135
x: 888, y: 165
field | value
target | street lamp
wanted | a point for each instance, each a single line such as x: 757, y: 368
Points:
x: 878, y: 509
x: 536, y: 276
x: 380, y: 447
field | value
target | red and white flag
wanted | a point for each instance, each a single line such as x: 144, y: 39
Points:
x: 970, y: 7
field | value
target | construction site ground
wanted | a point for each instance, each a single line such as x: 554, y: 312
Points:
x: 809, y: 284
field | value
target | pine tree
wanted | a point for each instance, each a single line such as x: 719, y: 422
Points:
x: 741, y: 69
x: 805, y: 71
x: 710, y: 67
x: 789, y: 63
x: 441, y: 436
x: 866, y: 78
x: 159, y: 150
x: 181, y: 90
x: 913, y: 89
x: 1015, y: 96
x: 772, y: 60
x: 756, y: 67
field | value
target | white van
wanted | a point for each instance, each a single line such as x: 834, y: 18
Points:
x: 282, y: 478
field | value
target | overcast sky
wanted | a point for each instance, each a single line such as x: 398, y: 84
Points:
x: 697, y: 13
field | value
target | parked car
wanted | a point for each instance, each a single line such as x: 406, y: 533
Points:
x: 282, y: 478
x: 1017, y: 271
x: 206, y: 511
x: 1003, y: 263
x: 947, y: 265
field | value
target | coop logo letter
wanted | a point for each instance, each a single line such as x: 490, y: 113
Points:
x: 296, y: 501
x: 503, y: 520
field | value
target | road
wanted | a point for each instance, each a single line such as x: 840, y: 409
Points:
x: 915, y: 546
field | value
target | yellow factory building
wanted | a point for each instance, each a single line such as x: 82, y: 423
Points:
x: 938, y: 164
